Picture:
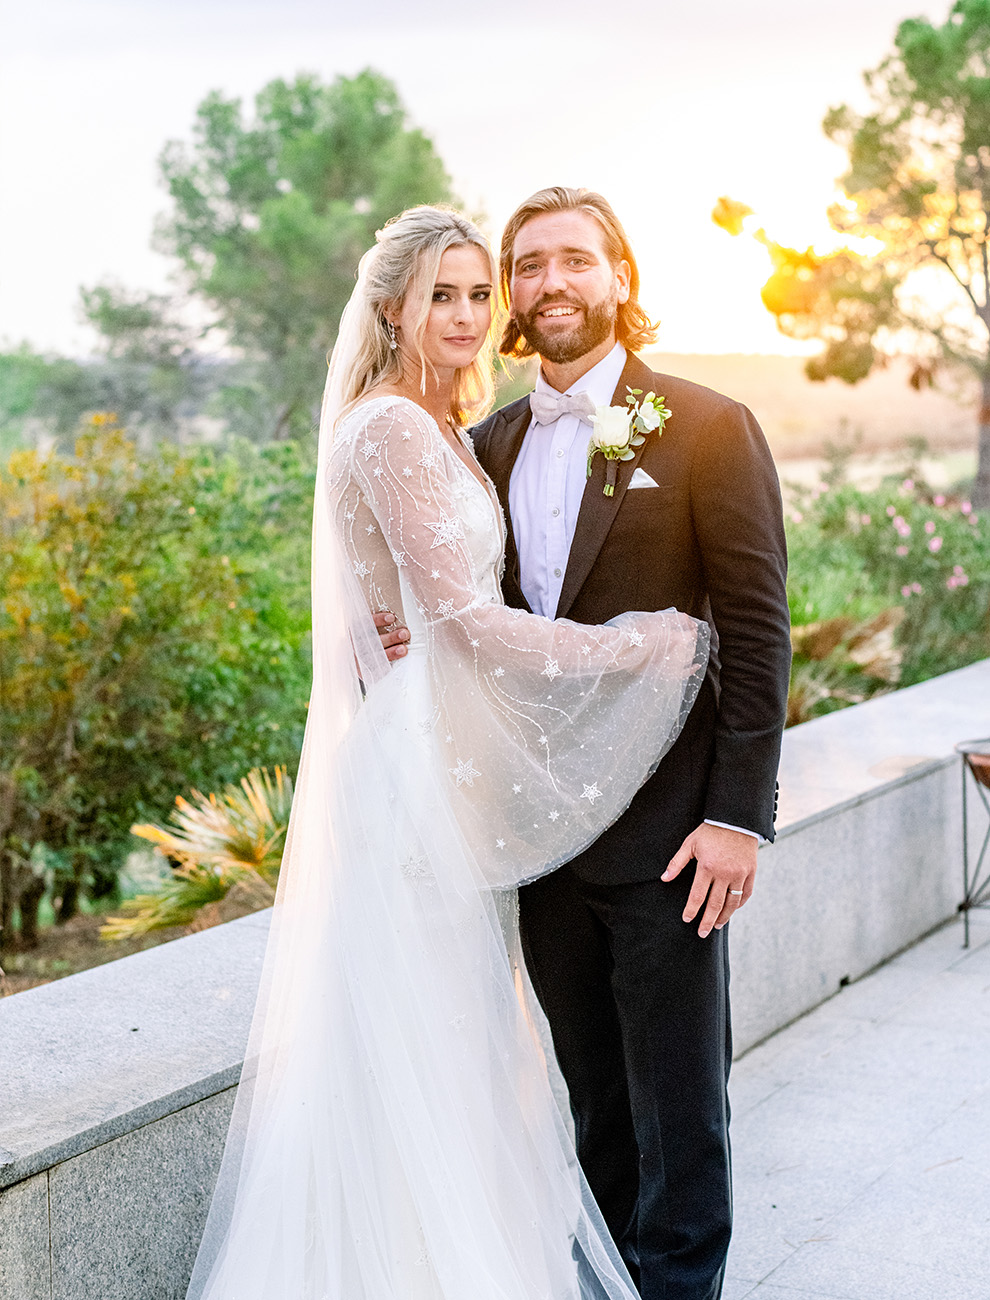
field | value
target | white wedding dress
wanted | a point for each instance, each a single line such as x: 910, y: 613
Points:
x: 396, y: 1134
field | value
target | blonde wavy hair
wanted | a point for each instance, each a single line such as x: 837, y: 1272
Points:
x: 633, y: 327
x: 403, y: 266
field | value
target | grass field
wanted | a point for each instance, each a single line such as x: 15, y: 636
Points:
x: 882, y: 414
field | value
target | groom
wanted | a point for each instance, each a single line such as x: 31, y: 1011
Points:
x: 626, y: 944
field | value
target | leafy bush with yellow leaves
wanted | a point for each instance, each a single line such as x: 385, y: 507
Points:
x: 154, y: 624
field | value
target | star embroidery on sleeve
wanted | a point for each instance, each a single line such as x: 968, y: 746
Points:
x: 429, y: 459
x: 446, y: 609
x: 637, y: 638
x: 586, y: 649
x: 544, y: 741
x: 378, y: 471
x: 500, y: 671
x: 370, y: 448
x: 465, y: 772
x: 500, y: 844
x: 406, y: 472
x: 434, y: 574
x: 551, y: 670
x: 446, y: 532
x: 475, y: 643
x: 370, y: 529
x: 400, y: 559
x: 406, y: 435
x: 361, y: 569
x: 517, y: 789
x: 591, y: 793
x: 553, y: 814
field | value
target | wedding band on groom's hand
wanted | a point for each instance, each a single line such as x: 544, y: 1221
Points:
x: 735, y: 891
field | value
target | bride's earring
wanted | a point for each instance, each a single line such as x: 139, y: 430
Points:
x: 392, y: 341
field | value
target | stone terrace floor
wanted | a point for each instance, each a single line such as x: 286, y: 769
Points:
x: 861, y: 1137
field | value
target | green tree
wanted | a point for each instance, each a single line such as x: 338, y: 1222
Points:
x: 149, y: 371
x: 153, y: 634
x: 271, y: 216
x: 918, y: 190
x: 31, y: 388
x: 22, y: 374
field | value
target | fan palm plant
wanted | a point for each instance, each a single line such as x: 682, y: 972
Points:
x: 221, y: 844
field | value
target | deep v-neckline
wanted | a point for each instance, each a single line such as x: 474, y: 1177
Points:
x: 470, y: 461
x: 477, y: 474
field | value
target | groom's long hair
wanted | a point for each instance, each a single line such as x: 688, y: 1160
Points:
x: 633, y: 328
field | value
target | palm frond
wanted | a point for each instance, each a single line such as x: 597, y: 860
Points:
x: 236, y: 838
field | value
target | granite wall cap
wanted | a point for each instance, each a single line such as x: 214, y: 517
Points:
x: 829, y: 762
x: 87, y: 1058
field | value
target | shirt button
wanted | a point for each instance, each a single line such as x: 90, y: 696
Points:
x: 555, y: 512
x: 556, y: 573
x: 560, y: 452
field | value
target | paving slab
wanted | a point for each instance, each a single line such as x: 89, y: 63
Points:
x: 861, y: 1138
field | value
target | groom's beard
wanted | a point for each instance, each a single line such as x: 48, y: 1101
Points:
x: 561, y: 348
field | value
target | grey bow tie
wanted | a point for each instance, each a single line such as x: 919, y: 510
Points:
x: 547, y: 407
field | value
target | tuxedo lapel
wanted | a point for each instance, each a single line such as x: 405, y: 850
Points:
x: 598, y: 510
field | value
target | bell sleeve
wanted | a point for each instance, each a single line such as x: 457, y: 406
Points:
x: 545, y: 729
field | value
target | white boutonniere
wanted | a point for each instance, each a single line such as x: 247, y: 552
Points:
x: 617, y: 430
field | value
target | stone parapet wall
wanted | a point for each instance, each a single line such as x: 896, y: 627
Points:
x: 116, y: 1084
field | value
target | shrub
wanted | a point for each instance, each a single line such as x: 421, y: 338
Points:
x: 154, y: 617
x: 887, y: 588
x: 216, y: 845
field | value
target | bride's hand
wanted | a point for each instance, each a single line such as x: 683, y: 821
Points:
x: 392, y: 635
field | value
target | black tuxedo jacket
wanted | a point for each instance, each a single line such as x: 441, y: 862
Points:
x: 708, y: 540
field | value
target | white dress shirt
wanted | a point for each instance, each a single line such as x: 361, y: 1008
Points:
x: 547, y: 485
x: 545, y: 491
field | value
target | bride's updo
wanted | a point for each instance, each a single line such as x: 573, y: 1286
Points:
x: 402, y: 267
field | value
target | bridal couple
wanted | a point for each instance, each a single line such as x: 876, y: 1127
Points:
x: 450, y: 1094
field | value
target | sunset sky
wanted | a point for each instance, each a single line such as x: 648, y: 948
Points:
x: 661, y: 106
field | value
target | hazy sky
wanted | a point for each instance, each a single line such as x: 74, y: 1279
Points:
x: 661, y: 106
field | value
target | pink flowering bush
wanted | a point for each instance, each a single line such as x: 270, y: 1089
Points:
x: 913, y: 560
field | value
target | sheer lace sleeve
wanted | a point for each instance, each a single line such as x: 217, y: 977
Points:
x: 544, y: 729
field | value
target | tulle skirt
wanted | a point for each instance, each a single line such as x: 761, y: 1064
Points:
x: 397, y: 1135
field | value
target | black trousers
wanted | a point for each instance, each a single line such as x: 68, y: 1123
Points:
x: 638, y: 1007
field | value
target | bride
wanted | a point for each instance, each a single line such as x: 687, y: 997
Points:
x: 397, y: 1133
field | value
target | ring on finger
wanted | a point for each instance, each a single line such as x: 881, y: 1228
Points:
x: 736, y: 892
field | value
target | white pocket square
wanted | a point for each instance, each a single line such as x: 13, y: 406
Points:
x: 641, y: 479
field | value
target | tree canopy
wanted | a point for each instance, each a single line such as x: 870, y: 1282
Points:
x: 915, y: 207
x: 271, y: 215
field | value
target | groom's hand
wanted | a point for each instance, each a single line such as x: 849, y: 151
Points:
x: 392, y: 634
x: 726, y: 861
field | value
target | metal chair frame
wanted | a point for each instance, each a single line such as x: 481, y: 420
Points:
x: 976, y: 870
